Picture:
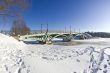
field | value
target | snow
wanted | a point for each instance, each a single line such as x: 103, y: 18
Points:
x: 17, y: 57
x: 11, y: 54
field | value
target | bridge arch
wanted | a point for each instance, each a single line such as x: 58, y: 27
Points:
x: 82, y: 36
x: 63, y: 36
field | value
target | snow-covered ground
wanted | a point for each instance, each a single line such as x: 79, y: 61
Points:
x: 17, y: 57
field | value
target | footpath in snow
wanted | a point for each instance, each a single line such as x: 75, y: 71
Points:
x: 17, y: 57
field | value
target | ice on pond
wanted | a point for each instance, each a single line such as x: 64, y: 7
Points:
x: 17, y: 57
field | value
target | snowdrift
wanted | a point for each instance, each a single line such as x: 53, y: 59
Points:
x: 11, y: 54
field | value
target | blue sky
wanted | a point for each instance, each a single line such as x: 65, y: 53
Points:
x: 86, y: 15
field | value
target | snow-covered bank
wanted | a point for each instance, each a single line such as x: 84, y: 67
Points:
x: 17, y: 57
x: 11, y: 54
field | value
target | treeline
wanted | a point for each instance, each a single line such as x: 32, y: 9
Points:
x: 99, y: 34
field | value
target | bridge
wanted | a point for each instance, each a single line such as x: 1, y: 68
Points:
x: 47, y: 37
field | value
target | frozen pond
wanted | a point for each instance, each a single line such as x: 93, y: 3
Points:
x: 92, y: 56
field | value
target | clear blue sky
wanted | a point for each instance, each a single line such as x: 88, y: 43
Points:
x: 86, y: 15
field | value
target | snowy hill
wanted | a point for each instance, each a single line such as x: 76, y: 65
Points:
x: 11, y: 53
x: 17, y: 57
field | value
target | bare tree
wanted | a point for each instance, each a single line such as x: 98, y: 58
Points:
x: 19, y: 27
x: 13, y: 6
